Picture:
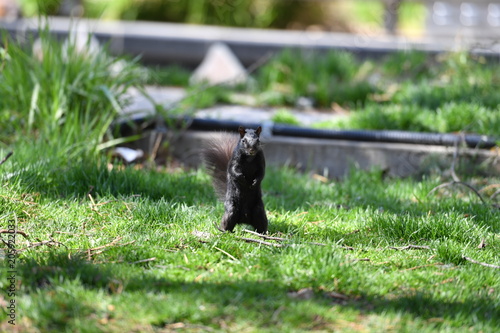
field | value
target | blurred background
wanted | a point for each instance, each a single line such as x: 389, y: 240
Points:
x: 419, y: 66
x: 409, y: 18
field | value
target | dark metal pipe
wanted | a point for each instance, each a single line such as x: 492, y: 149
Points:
x: 198, y: 124
x: 218, y: 125
x: 440, y: 139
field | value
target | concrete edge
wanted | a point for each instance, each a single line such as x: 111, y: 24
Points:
x: 334, y: 158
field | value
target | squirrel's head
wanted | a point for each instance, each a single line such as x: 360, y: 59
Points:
x: 250, y: 140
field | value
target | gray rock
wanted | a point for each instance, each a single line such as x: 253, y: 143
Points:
x: 220, y: 65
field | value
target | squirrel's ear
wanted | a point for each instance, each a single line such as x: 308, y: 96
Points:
x: 241, y: 129
x: 259, y: 129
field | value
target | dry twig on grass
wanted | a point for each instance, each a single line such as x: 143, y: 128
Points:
x: 421, y: 266
x: 277, y: 238
x: 9, y: 154
x: 156, y: 146
x: 497, y: 192
x: 251, y: 240
x: 91, y: 188
x: 458, y: 183
x: 100, y: 249
x: 489, y: 187
x: 51, y: 242
x: 455, y: 158
x: 143, y: 260
x: 362, y: 259
x: 18, y: 232
x: 456, y: 180
x: 264, y: 236
x: 480, y: 263
x: 227, y: 254
x: 19, y: 200
x: 411, y: 247
x: 113, y: 242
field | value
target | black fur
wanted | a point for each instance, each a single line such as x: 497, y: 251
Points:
x: 244, y: 172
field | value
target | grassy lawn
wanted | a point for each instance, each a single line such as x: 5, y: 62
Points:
x: 104, y: 247
x: 137, y: 250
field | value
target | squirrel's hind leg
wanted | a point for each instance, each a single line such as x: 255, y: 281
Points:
x: 229, y: 220
x: 259, y: 220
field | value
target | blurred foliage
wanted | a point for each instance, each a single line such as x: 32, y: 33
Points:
x: 449, y: 118
x: 445, y: 93
x: 285, y: 116
x: 168, y: 76
x: 410, y: 64
x: 237, y: 13
x: 201, y: 96
x: 408, y: 90
x: 327, y: 77
x: 451, y: 77
x: 279, y: 14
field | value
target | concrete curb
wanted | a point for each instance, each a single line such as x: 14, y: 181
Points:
x: 334, y: 158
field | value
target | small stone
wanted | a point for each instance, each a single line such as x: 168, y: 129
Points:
x: 220, y: 65
x: 482, y: 245
x: 82, y: 41
x: 127, y: 154
x: 304, y: 103
x: 79, y: 41
x: 303, y: 294
x: 201, y: 234
x: 333, y: 294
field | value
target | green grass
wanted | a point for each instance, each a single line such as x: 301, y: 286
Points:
x: 284, y: 116
x: 325, y: 77
x: 113, y: 248
x: 449, y: 118
x: 58, y: 92
x: 204, y: 279
x: 168, y: 76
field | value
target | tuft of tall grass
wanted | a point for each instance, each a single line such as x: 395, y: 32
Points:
x: 284, y: 116
x: 172, y: 75
x: 326, y: 78
x: 58, y: 95
x: 412, y: 64
x: 447, y: 118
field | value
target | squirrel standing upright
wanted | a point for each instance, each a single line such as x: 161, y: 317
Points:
x: 237, y: 169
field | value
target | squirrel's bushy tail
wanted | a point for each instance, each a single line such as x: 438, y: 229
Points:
x: 216, y: 155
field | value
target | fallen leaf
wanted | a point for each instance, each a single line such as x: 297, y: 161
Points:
x: 334, y: 294
x: 320, y: 178
x: 304, y: 294
x: 482, y: 245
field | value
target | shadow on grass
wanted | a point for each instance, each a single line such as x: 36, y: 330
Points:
x: 284, y: 189
x: 372, y: 191
x: 99, y: 179
x: 258, y: 301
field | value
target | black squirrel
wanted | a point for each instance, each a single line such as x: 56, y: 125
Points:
x: 237, y: 169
